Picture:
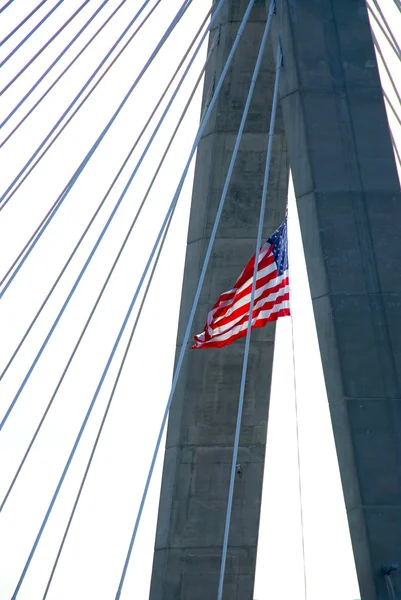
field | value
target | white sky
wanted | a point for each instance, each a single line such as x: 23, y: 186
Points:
x: 93, y: 556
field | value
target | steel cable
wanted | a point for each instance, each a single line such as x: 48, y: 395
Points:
x: 197, y: 294
x: 30, y: 111
x: 29, y: 246
x: 48, y: 512
x: 133, y: 330
x: 28, y: 330
x: 18, y: 46
x: 47, y: 71
x: 32, y: 158
x: 390, y: 32
x: 45, y: 413
x: 106, y: 226
x: 6, y: 5
x: 17, y: 27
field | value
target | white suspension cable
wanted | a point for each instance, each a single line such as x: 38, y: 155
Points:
x: 391, y: 105
x: 133, y: 330
x: 391, y: 40
x: 249, y: 329
x: 397, y: 153
x: 391, y: 133
x: 379, y: 50
x: 394, y: 44
x: 385, y: 95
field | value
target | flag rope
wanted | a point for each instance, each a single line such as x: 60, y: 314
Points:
x: 111, y: 216
x: 198, y: 290
x: 70, y: 64
x: 57, y: 204
x: 21, y: 23
x: 3, y: 198
x: 58, y: 57
x: 26, y: 38
x: 105, y: 284
x: 139, y: 137
x: 43, y: 48
x: 252, y: 299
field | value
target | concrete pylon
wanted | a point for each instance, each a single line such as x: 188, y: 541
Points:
x: 349, y: 205
x: 202, y: 419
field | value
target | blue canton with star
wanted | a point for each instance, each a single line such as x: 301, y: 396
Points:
x: 280, y: 247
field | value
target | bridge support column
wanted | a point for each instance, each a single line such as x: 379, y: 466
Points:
x: 349, y: 204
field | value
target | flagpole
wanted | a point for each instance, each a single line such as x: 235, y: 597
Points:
x: 249, y: 329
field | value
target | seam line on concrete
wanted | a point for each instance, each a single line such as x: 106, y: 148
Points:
x: 217, y: 445
x: 341, y: 89
x: 332, y: 191
x: 354, y: 294
x: 162, y: 548
x: 375, y: 398
x: 223, y: 237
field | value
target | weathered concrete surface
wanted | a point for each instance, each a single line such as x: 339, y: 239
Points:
x: 202, y: 419
x: 349, y: 205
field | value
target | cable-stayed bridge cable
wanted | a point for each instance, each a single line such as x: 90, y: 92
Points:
x: 104, y: 418
x: 87, y: 323
x: 397, y: 153
x: 59, y: 56
x: 18, y: 46
x: 60, y: 132
x: 43, y: 48
x: 197, y: 294
x: 379, y: 50
x: 30, y: 111
x: 128, y: 345
x: 109, y: 220
x: 6, y: 5
x: 213, y: 44
x: 389, y: 30
x: 396, y: 49
x: 53, y: 129
x: 89, y: 155
x: 56, y: 137
x: 17, y: 27
x: 127, y: 316
x: 391, y: 106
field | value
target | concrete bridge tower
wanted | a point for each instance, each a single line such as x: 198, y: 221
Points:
x: 332, y: 129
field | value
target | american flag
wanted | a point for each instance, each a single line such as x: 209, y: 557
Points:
x: 228, y: 319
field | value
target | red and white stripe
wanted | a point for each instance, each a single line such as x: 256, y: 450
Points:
x: 228, y: 319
